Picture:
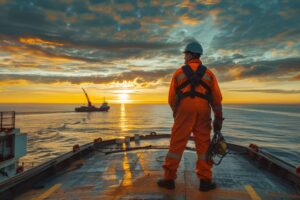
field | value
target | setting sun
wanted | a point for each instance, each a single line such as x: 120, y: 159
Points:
x: 123, y: 98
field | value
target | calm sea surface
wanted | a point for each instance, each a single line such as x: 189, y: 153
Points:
x: 54, y: 129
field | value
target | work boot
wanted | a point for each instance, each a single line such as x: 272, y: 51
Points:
x: 168, y: 184
x: 206, y: 185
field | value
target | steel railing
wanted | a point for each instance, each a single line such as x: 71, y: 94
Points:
x: 7, y: 120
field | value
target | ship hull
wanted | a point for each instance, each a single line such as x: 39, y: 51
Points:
x: 91, y: 109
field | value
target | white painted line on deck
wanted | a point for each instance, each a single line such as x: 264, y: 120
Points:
x: 48, y: 192
x: 252, y: 192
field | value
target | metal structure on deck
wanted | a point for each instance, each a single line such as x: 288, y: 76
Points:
x: 13, y: 145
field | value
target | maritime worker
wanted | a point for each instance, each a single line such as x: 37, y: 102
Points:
x: 194, y: 91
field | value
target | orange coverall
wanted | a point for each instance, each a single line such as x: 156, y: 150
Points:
x: 192, y: 115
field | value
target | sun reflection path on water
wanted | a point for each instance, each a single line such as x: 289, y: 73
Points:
x: 123, y: 119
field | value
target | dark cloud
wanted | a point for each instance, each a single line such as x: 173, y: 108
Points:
x: 274, y: 91
x: 138, y: 76
x: 255, y: 27
x: 101, y: 32
x: 268, y: 70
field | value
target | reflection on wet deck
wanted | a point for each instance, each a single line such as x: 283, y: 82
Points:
x: 133, y: 175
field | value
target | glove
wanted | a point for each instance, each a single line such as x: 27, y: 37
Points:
x: 217, y: 124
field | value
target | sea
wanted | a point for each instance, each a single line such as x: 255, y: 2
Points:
x: 53, y: 129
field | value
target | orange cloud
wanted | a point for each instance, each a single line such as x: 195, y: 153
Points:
x: 88, y: 16
x: 296, y: 78
x: 54, y: 15
x: 105, y: 9
x: 209, y: 2
x: 124, y: 7
x: 186, y: 19
x: 32, y: 56
x: 38, y: 41
x: 187, y: 4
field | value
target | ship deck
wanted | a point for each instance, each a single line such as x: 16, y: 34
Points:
x: 133, y: 175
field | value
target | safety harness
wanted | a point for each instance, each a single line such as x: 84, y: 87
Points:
x: 194, y: 79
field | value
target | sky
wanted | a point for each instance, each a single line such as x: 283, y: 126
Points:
x: 127, y: 51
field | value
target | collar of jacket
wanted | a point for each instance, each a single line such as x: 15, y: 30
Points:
x: 194, y: 61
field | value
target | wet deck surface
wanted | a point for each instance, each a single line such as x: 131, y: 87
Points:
x: 133, y: 175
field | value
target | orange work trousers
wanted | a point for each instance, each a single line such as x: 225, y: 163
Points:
x: 193, y: 115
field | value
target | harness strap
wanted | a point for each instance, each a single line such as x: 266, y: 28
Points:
x: 194, y: 79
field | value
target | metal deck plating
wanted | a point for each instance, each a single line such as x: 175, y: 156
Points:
x: 105, y: 170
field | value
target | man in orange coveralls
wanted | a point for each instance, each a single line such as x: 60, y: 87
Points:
x: 194, y: 90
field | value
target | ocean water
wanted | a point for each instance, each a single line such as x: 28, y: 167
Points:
x: 54, y: 128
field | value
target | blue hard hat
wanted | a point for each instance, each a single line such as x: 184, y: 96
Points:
x: 194, y: 47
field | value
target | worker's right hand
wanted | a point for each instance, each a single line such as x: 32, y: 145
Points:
x: 217, y: 124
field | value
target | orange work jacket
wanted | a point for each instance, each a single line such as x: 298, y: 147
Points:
x: 209, y: 78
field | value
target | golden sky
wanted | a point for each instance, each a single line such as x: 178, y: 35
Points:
x: 127, y: 52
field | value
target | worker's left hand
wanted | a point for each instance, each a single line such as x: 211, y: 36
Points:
x: 217, y: 124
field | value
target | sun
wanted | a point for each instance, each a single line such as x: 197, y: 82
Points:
x: 123, y: 98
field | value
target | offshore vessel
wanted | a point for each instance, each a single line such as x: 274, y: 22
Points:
x: 128, y: 168
x: 91, y: 108
x: 13, y: 146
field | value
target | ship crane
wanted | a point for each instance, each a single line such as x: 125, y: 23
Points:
x: 90, y: 108
x: 87, y: 97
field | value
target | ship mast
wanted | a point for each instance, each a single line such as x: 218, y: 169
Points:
x: 87, y: 97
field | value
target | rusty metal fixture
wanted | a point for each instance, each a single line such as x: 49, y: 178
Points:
x: 76, y: 148
x: 254, y: 147
x: 19, y: 169
x: 153, y: 133
x: 97, y: 140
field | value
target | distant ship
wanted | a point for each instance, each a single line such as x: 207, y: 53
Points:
x: 91, y: 108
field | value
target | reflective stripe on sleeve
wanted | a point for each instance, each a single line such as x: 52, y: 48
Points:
x: 174, y: 155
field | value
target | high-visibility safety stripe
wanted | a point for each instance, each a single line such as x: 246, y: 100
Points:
x: 48, y: 192
x: 174, y: 155
x: 252, y: 193
x: 202, y: 156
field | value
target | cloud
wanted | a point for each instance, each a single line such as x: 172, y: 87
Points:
x: 255, y: 27
x: 273, y: 91
x: 141, y: 77
x: 296, y: 77
x: 82, y: 39
x: 265, y: 70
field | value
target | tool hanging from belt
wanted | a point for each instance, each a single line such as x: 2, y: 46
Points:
x: 217, y: 148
